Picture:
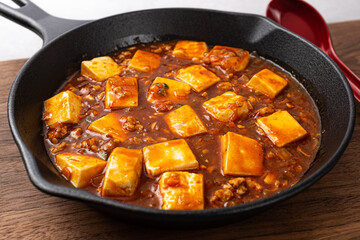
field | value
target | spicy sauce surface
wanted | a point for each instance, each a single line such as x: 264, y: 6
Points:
x: 283, y: 166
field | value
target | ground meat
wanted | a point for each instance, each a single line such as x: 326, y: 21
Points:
x: 100, y: 96
x: 221, y: 196
x: 164, y: 106
x: 234, y: 188
x: 241, y: 190
x: 270, y: 155
x: 266, y: 110
x: 253, y: 184
x: 224, y: 85
x: 57, y: 131
x: 76, y: 133
x: 133, y: 140
x: 58, y: 148
x: 85, y: 90
x: 109, y: 145
x: 236, y: 182
x: 91, y: 144
x: 170, y: 74
x: 204, y: 94
x: 91, y: 112
x: 131, y: 124
x: 173, y: 180
x: 149, y: 140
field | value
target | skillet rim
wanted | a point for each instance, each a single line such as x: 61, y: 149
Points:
x: 42, y: 184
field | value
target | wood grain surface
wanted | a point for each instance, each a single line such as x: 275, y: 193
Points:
x: 330, y: 209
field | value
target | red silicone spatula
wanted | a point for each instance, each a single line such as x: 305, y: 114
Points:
x: 301, y: 18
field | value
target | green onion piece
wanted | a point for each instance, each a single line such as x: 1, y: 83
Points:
x: 179, y: 105
x: 162, y: 92
x: 103, y: 155
x: 284, y: 154
x: 88, y: 119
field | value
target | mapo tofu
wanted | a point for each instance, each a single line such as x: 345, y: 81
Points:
x: 181, y: 126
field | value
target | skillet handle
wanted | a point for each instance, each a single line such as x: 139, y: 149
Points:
x: 37, y: 20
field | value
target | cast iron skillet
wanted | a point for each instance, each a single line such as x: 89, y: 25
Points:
x: 68, y: 42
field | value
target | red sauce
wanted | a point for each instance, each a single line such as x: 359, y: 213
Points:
x: 287, y: 164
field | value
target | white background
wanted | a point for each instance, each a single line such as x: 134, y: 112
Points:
x: 18, y: 42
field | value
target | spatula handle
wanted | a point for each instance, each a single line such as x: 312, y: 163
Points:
x: 352, y: 78
x: 37, y: 20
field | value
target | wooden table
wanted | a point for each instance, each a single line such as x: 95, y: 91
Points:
x: 330, y: 209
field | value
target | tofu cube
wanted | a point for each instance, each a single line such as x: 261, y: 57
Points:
x: 198, y: 77
x: 184, y: 122
x: 64, y: 107
x: 281, y: 128
x: 109, y: 125
x: 190, y: 49
x: 100, y: 68
x: 267, y: 82
x: 228, y: 58
x: 227, y: 107
x: 121, y: 92
x: 122, y: 174
x: 182, y: 191
x: 174, y: 155
x: 241, y: 156
x: 79, y: 169
x: 143, y: 61
x: 167, y: 89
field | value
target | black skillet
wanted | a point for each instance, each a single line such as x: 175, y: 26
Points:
x: 68, y: 42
